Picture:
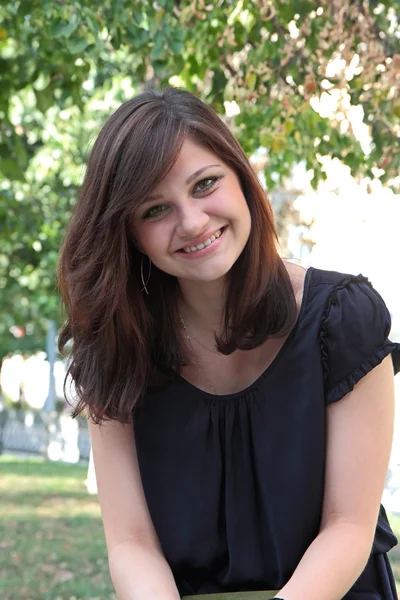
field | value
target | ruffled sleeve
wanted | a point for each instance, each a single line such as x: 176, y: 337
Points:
x: 354, y: 336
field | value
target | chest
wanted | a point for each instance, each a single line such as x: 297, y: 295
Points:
x: 218, y: 374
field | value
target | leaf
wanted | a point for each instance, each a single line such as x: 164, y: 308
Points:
x: 138, y: 37
x: 396, y: 108
x: 92, y: 24
x: 76, y: 96
x: 175, y: 46
x: 167, y: 4
x: 116, y: 6
x: 141, y: 71
x: 219, y: 82
x: 20, y: 152
x: 77, y: 45
x: 11, y: 169
x: 158, y: 48
x: 116, y: 39
x: 266, y: 139
x: 289, y: 126
x: 5, y: 197
x: 159, y: 66
x: 65, y: 29
x: 44, y: 99
x: 251, y: 80
x: 26, y: 7
x: 278, y: 143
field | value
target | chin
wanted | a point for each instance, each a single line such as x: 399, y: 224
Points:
x: 209, y: 271
x: 208, y: 275
x: 211, y: 278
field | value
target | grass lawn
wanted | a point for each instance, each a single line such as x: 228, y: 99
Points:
x: 51, y: 536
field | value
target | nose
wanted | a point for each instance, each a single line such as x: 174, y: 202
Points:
x: 192, y: 222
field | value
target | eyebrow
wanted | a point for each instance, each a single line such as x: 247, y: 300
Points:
x: 191, y: 178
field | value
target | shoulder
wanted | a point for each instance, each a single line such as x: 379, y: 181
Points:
x: 354, y: 328
x: 344, y: 296
x: 297, y: 274
x: 327, y: 289
x: 324, y: 281
x: 313, y: 286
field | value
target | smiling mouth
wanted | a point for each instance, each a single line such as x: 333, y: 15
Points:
x: 204, y: 244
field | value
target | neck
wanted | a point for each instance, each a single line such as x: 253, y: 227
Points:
x: 202, y: 304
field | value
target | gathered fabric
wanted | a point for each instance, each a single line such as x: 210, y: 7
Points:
x: 235, y: 483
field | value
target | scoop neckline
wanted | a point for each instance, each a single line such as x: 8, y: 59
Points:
x: 247, y: 390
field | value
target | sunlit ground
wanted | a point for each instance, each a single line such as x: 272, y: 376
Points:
x: 51, y: 536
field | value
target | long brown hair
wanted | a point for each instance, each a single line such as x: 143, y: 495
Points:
x: 121, y: 340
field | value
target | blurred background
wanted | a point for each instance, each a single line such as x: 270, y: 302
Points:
x: 310, y: 89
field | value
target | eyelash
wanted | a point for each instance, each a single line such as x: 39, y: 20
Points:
x: 148, y: 214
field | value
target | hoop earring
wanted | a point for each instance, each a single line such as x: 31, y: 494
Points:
x: 148, y: 276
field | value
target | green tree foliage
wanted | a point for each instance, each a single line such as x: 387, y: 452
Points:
x: 65, y: 65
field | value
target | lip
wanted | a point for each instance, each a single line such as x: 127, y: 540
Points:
x: 207, y: 250
x: 201, y: 240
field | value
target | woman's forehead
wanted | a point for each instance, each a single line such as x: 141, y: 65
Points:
x: 192, y: 157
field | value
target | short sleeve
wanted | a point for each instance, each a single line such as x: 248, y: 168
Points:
x: 354, y: 336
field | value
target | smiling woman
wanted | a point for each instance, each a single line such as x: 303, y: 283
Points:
x: 139, y: 212
x: 204, y: 215
x: 240, y: 407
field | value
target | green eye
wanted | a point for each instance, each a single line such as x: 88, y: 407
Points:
x: 154, y: 211
x: 205, y: 184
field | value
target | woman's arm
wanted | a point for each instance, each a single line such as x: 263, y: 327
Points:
x: 137, y: 566
x: 360, y: 430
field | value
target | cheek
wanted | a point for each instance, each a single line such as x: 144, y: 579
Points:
x: 240, y: 206
x: 243, y: 213
x: 153, y: 240
x: 236, y: 197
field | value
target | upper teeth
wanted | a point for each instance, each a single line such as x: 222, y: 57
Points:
x: 204, y: 244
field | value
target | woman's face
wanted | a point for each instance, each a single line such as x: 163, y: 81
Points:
x: 196, y: 222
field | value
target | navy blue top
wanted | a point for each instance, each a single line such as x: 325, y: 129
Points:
x: 235, y: 483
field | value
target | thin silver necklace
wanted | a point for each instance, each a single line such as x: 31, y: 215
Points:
x: 215, y: 351
x: 187, y: 334
x: 189, y: 337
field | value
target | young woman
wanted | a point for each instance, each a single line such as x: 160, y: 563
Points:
x: 240, y: 407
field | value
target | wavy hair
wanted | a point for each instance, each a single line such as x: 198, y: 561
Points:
x: 122, y: 342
